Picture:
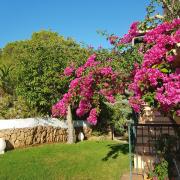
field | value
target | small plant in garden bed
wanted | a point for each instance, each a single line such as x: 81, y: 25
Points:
x: 160, y: 171
x: 164, y: 167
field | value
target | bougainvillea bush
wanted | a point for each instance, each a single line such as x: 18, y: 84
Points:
x: 92, y: 82
x: 157, y: 79
x: 151, y: 70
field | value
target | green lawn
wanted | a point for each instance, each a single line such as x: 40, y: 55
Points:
x: 88, y: 160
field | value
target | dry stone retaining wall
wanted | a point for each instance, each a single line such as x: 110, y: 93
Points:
x: 22, y: 137
x: 27, y: 136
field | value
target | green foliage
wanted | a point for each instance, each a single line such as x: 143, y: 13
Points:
x: 163, y: 67
x: 165, y: 148
x: 160, y: 170
x: 149, y: 98
x: 38, y: 64
x: 121, y: 112
x: 97, y: 133
x: 151, y: 19
x: 116, y: 114
x: 121, y: 61
x: 6, y: 81
x: 124, y: 55
x: 165, y: 144
x: 130, y: 57
x: 5, y: 103
x: 170, y: 9
x: 15, y: 108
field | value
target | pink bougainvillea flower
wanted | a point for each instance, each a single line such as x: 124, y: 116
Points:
x: 68, y: 71
x: 131, y: 34
x: 92, y: 119
x: 79, y: 71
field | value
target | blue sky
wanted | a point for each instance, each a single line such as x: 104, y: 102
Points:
x: 78, y: 19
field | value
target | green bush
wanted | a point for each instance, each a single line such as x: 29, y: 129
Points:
x: 38, y: 64
x: 15, y: 108
x: 6, y: 80
x: 160, y: 170
x: 115, y: 115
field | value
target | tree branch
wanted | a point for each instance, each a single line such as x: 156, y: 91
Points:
x: 167, y: 6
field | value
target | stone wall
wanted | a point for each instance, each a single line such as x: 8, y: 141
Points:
x: 22, y: 137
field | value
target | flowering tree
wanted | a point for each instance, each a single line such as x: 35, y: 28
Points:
x: 91, y: 82
x: 157, y: 79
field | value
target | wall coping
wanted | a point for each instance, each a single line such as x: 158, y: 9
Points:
x: 33, y: 122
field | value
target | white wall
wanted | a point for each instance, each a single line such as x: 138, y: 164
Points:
x: 32, y: 122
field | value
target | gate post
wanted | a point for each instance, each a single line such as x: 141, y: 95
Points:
x: 130, y: 148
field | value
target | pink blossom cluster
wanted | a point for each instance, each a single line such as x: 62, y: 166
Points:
x: 163, y: 28
x: 61, y: 106
x: 178, y: 112
x: 169, y: 94
x: 91, y: 80
x: 106, y: 70
x: 136, y: 102
x: 146, y: 77
x: 84, y: 107
x: 108, y: 94
x: 131, y: 33
x: 92, y: 119
x: 89, y: 63
x: 163, y: 40
x: 154, y: 55
x: 150, y: 77
x: 68, y: 71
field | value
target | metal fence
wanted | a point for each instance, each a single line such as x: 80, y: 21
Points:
x: 150, y: 142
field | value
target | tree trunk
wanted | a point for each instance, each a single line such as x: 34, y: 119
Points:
x: 112, y: 131
x: 71, y: 133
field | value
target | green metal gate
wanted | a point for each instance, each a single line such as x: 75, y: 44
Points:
x: 144, y: 140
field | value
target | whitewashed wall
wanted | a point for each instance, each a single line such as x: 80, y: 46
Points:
x: 33, y: 122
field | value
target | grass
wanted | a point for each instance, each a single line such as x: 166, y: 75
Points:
x: 88, y: 160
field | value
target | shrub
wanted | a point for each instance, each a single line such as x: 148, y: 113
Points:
x: 38, y: 63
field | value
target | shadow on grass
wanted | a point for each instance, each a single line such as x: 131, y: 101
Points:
x: 116, y: 150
